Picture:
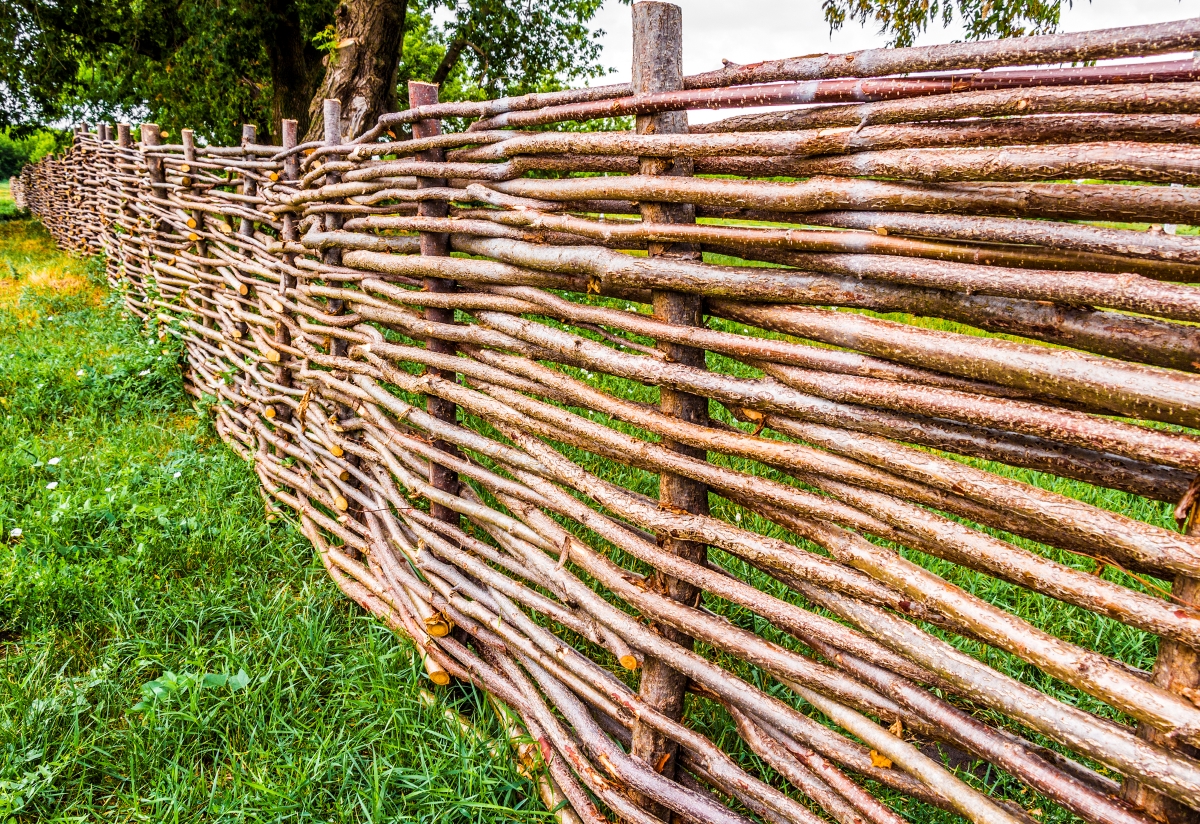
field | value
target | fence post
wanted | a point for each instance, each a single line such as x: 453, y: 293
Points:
x: 152, y: 136
x: 128, y: 213
x: 332, y: 112
x: 658, y: 67
x: 338, y: 347
x: 249, y: 184
x: 289, y: 130
x: 204, y: 291
x: 1177, y: 668
x: 156, y: 171
x: 436, y: 244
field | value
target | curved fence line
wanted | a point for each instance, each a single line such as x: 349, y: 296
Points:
x: 862, y: 429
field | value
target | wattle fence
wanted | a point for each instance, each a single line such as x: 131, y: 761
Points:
x: 834, y: 506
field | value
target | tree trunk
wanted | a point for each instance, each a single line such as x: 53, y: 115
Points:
x: 361, y: 70
x: 295, y: 68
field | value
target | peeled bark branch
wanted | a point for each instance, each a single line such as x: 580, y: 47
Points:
x: 1045, y: 200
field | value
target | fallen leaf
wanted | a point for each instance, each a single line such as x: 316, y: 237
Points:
x: 302, y: 407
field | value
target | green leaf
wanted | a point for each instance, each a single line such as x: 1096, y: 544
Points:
x: 239, y: 681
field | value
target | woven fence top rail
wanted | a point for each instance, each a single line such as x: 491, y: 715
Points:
x: 793, y: 467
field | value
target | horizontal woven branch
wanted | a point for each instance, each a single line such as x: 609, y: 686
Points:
x: 861, y: 454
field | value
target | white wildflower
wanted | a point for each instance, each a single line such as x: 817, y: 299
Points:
x: 52, y: 485
x: 177, y: 474
x: 15, y: 532
x: 54, y: 461
x: 79, y: 374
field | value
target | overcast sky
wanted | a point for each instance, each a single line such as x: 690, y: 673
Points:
x: 747, y: 31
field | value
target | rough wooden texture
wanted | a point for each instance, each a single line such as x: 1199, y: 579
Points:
x: 436, y: 244
x: 658, y: 67
x: 476, y: 487
x: 362, y: 67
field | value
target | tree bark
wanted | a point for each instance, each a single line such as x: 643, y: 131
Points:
x: 1178, y: 670
x: 361, y: 70
x: 658, y: 66
x: 295, y: 68
x: 436, y: 244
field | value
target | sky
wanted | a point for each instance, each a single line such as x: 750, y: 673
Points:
x: 747, y: 31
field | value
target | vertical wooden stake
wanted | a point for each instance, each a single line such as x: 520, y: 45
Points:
x: 436, y: 244
x: 128, y: 195
x: 658, y: 67
x: 333, y: 136
x: 1177, y: 669
x: 289, y: 131
x: 338, y: 347
x: 249, y: 184
x: 203, y: 292
x: 155, y: 168
x: 152, y: 136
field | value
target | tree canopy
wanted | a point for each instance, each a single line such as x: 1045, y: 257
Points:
x: 903, y: 20
x: 215, y: 64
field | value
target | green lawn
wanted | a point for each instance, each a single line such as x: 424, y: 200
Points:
x: 166, y: 654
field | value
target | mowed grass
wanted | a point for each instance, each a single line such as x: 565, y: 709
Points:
x: 166, y: 653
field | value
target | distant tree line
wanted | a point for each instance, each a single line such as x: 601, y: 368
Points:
x: 216, y: 64
x: 32, y: 146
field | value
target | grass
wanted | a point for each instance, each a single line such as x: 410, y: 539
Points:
x: 166, y: 653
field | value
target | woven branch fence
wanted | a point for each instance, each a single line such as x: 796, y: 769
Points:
x: 468, y: 440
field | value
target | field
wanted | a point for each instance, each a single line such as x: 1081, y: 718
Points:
x: 166, y: 653
x: 169, y: 654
